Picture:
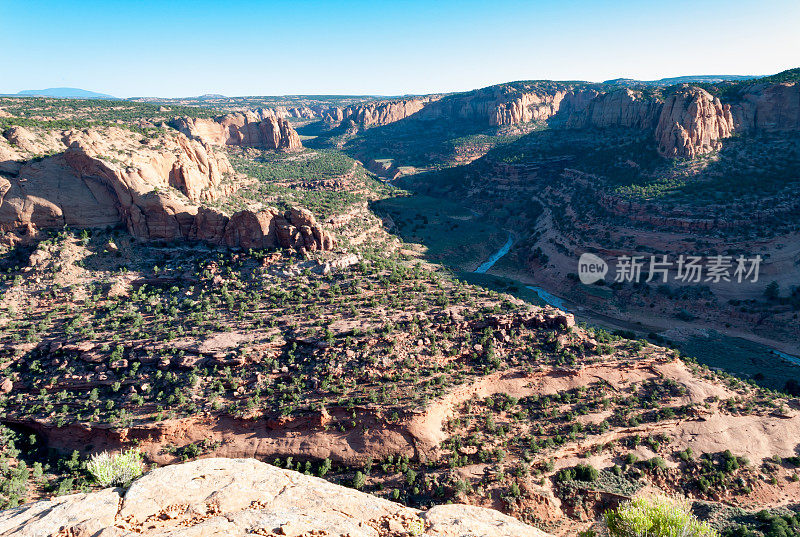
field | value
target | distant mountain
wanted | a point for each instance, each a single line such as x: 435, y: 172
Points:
x: 65, y: 93
x: 708, y: 79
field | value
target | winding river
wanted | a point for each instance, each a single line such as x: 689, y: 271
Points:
x: 557, y: 302
x: 543, y: 295
x: 495, y: 257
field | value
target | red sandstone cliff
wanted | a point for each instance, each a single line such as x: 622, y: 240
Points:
x: 242, y: 129
x: 152, y: 186
x: 376, y: 113
x: 692, y: 123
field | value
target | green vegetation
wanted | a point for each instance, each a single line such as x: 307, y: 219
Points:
x: 656, y: 517
x: 81, y: 113
x: 767, y: 524
x: 451, y: 234
x: 315, y: 180
x: 117, y: 468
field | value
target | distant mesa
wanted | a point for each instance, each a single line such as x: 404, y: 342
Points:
x: 692, y: 79
x: 66, y: 93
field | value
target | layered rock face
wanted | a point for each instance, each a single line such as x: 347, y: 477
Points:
x: 248, y: 129
x: 692, y: 123
x: 236, y: 497
x: 689, y: 123
x: 106, y: 177
x: 509, y: 105
x: 376, y: 113
x: 296, y: 228
x: 769, y: 107
x: 624, y: 108
x: 150, y: 185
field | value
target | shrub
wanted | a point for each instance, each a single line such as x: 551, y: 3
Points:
x: 658, y: 516
x: 581, y: 472
x: 116, y: 469
x: 585, y: 472
x: 359, y: 481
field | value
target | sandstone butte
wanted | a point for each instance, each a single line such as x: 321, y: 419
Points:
x: 244, y: 497
x: 154, y: 186
x: 260, y: 129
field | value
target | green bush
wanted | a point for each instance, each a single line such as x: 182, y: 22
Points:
x: 658, y: 516
x: 581, y: 472
x: 116, y: 469
x: 359, y: 481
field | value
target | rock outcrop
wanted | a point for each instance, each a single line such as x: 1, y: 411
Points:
x: 152, y: 186
x: 510, y: 104
x: 104, y: 178
x: 624, y: 108
x: 692, y: 123
x: 376, y: 113
x: 296, y: 228
x: 687, y: 123
x: 235, y: 497
x: 768, y: 107
x: 261, y: 130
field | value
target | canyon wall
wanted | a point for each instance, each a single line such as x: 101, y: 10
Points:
x: 692, y: 123
x: 506, y: 105
x: 768, y: 107
x: 624, y: 108
x: 376, y: 113
x: 152, y: 186
x: 686, y: 123
x: 262, y: 130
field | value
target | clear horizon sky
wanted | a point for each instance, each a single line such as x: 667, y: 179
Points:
x: 180, y: 48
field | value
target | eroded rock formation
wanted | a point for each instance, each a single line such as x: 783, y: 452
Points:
x: 692, y: 123
x: 236, y: 497
x: 768, y: 107
x: 624, y: 108
x: 510, y: 104
x: 153, y: 186
x: 263, y: 130
x: 685, y: 124
x: 376, y: 113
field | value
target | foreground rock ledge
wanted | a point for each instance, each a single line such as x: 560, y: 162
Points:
x: 245, y: 497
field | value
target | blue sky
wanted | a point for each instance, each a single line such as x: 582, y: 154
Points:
x: 179, y: 48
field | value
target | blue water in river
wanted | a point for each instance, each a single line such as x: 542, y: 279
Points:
x: 496, y: 256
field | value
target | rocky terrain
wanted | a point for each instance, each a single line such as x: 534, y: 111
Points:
x: 375, y: 114
x: 245, y: 497
x: 195, y: 285
x: 644, y: 172
x: 152, y: 185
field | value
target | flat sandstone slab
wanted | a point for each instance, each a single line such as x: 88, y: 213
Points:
x: 242, y: 497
